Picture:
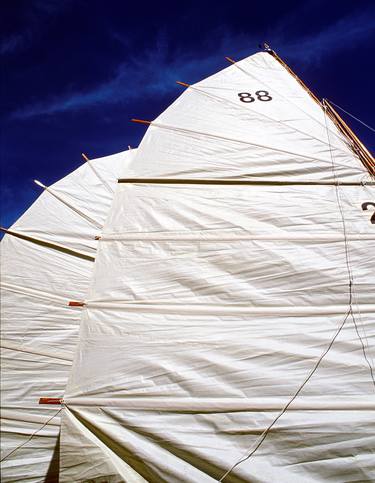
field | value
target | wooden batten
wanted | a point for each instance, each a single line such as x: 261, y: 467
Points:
x: 50, y: 400
x: 141, y: 121
x: 76, y: 303
x: 183, y: 84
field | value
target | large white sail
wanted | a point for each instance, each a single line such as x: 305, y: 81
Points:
x: 235, y: 271
x: 47, y: 261
x: 252, y: 120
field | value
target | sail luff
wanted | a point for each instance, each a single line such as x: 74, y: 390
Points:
x: 364, y: 154
x: 361, y: 150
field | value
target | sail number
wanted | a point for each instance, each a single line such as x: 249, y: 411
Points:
x: 260, y: 96
x: 365, y: 207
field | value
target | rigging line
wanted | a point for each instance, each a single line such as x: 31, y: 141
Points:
x: 241, y: 141
x: 11, y: 287
x: 362, y: 323
x: 69, y: 205
x: 100, y: 178
x: 31, y: 436
x: 267, y: 430
x: 53, y: 355
x: 358, y: 148
x: 351, y: 115
x: 286, y: 99
x: 347, y: 253
x: 279, y: 121
x: 364, y: 349
x: 343, y: 195
x: 349, y: 313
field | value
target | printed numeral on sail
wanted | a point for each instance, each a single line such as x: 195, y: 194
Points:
x: 365, y: 207
x: 261, y: 96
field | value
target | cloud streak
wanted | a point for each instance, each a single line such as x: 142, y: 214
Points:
x: 156, y: 73
x: 37, y: 15
x: 345, y: 34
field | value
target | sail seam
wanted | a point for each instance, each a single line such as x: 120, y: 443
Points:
x: 34, y: 293
x: 279, y: 121
x: 102, y: 180
x: 53, y: 355
x: 240, y: 141
x: 73, y: 208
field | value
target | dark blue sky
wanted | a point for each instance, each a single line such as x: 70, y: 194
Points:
x: 75, y: 72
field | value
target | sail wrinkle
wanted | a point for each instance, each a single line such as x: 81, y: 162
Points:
x: 284, y: 122
x: 214, y: 135
x: 305, y: 112
x: 47, y: 260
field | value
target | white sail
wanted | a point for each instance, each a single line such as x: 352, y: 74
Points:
x: 252, y: 120
x: 213, y: 302
x: 47, y: 261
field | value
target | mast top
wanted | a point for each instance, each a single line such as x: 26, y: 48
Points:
x: 265, y: 46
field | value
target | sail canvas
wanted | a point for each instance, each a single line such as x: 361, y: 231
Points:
x: 227, y: 327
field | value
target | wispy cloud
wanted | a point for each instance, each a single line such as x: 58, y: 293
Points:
x: 35, y: 18
x: 156, y: 72
x: 153, y: 74
x: 345, y: 34
x: 14, y: 42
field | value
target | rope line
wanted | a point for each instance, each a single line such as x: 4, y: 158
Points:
x: 263, y: 436
x: 266, y: 431
x: 351, y: 115
x: 31, y: 437
x: 347, y: 254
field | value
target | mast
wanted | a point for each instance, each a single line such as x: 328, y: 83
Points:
x: 356, y: 145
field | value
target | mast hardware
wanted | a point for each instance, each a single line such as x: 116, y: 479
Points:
x: 265, y: 46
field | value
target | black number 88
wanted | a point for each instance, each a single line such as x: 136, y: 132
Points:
x: 261, y: 96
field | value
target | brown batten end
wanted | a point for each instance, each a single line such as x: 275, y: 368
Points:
x: 230, y: 60
x: 141, y: 121
x: 50, y: 400
x: 74, y: 303
x: 98, y: 237
x: 85, y: 157
x: 182, y: 84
